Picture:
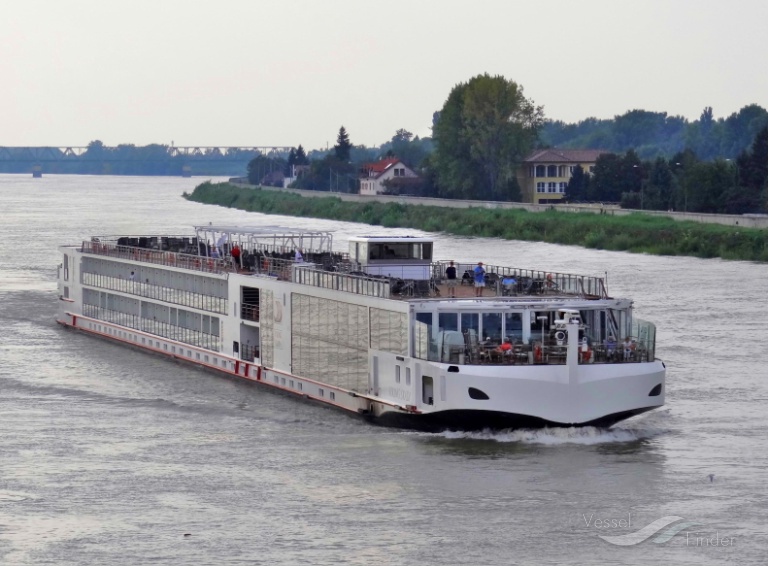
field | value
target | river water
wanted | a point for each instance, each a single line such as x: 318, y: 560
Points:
x: 110, y: 456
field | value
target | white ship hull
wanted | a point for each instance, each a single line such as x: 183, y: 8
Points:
x: 357, y: 348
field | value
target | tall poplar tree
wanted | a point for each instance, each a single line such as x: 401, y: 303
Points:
x: 485, y: 129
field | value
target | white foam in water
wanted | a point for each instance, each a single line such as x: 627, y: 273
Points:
x: 553, y: 436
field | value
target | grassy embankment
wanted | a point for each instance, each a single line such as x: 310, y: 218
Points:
x: 636, y: 233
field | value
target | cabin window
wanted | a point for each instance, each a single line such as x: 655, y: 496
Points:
x: 397, y: 374
x: 513, y: 326
x: 407, y: 376
x: 448, y: 321
x: 400, y: 250
x: 492, y: 326
x: 470, y: 321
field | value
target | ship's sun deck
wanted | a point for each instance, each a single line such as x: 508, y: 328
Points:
x: 306, y: 258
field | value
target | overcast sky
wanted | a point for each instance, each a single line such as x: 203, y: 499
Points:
x: 285, y: 72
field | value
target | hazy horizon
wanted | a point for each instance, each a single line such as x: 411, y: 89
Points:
x: 287, y: 73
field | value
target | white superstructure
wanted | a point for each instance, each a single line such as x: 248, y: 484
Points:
x: 372, y: 331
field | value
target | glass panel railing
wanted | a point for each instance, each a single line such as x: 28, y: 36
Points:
x: 644, y: 338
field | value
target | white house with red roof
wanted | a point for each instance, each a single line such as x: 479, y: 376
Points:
x: 374, y: 175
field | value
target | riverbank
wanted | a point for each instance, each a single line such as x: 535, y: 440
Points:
x: 636, y: 233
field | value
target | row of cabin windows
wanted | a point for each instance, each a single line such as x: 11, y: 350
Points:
x: 298, y: 385
x: 207, y: 359
x: 157, y: 345
x: 492, y: 326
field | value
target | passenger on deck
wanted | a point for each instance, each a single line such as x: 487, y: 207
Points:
x: 505, y: 348
x: 450, y: 279
x: 508, y: 284
x: 628, y: 349
x: 298, y: 257
x: 235, y: 253
x: 610, y: 348
x: 479, y: 279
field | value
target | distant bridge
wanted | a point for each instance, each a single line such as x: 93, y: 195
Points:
x: 175, y: 159
x: 58, y: 151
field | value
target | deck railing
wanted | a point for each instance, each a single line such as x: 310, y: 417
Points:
x: 527, y: 281
x: 249, y: 312
x: 358, y: 284
x: 158, y: 257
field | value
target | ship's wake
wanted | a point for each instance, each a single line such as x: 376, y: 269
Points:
x: 640, y: 430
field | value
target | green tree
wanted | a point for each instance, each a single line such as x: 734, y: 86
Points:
x: 616, y: 175
x: 485, y: 128
x: 658, y: 192
x: 301, y: 156
x: 402, y: 135
x: 578, y: 186
x: 707, y: 184
x: 411, y: 151
x: 343, y: 146
x: 753, y: 177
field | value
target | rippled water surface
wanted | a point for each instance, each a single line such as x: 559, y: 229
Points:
x: 110, y: 456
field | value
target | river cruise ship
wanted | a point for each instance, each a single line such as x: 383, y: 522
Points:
x: 378, y: 331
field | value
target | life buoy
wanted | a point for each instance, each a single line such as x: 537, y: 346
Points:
x: 560, y: 336
x: 537, y: 356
